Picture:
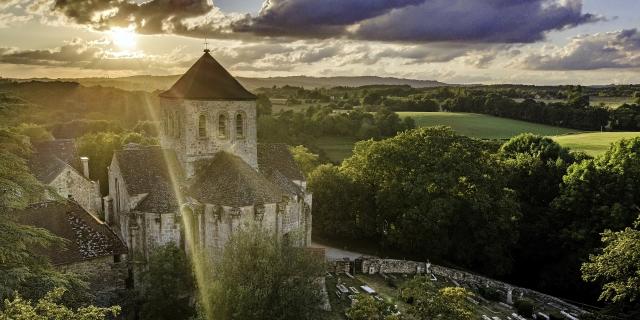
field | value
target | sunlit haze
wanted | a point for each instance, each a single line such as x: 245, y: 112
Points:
x: 531, y: 42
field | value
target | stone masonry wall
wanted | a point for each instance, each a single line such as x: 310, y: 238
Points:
x: 181, y: 130
x: 84, y: 191
x: 105, y: 277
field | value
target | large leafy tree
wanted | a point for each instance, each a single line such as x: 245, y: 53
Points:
x: 438, y: 195
x: 340, y: 209
x: 259, y: 277
x: 534, y: 167
x: 596, y: 194
x: 168, y: 285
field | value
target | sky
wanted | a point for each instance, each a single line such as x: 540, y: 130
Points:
x: 454, y: 41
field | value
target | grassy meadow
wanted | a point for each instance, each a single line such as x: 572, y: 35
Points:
x: 482, y: 126
x: 489, y: 127
x: 593, y: 143
x: 336, y: 148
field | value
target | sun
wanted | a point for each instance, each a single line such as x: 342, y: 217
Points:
x: 125, y: 39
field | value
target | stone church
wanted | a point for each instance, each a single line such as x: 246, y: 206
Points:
x: 209, y: 173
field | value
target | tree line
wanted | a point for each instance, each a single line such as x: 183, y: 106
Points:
x: 528, y: 211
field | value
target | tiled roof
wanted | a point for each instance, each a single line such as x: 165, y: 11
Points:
x: 88, y: 237
x: 146, y: 170
x: 207, y: 80
x: 229, y: 181
x: 277, y: 157
x: 50, y: 158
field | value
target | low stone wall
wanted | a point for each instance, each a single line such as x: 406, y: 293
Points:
x: 375, y: 265
x: 340, y: 266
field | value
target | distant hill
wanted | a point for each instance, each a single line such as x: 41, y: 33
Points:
x: 152, y: 83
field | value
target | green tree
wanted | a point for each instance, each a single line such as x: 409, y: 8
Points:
x: 617, y: 266
x: 168, y: 285
x: 35, y: 132
x: 438, y: 195
x: 306, y: 159
x: 365, y: 307
x: 259, y: 277
x: 50, y: 307
x: 596, y: 195
x: 263, y: 105
x: 534, y: 167
x: 429, y: 302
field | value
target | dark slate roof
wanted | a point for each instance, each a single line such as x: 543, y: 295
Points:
x: 88, y: 237
x: 51, y: 157
x: 207, y: 80
x: 229, y: 181
x: 146, y: 170
x: 277, y: 157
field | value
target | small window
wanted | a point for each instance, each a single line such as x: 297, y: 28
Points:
x: 202, y: 126
x: 239, y: 126
x: 222, y: 126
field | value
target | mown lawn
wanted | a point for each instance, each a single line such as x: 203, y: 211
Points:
x: 482, y: 126
x: 593, y: 143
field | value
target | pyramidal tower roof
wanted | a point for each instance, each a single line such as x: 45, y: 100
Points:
x: 207, y: 80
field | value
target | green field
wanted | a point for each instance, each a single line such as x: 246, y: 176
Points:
x: 336, y: 148
x: 482, y: 126
x: 593, y: 143
x: 488, y: 127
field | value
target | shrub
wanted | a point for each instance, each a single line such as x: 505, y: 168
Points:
x: 524, y: 307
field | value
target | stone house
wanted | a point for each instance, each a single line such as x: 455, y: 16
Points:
x: 57, y: 164
x: 209, y: 176
x: 92, y: 250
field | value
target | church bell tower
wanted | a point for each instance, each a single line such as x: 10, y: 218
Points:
x: 206, y: 111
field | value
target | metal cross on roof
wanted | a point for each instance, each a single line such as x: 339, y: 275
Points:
x: 206, y: 45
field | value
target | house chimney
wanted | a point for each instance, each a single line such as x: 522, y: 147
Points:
x: 85, y: 166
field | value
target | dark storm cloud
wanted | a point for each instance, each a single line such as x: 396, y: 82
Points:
x: 151, y: 17
x: 415, y: 21
x: 493, y: 21
x: 619, y: 49
x: 315, y: 18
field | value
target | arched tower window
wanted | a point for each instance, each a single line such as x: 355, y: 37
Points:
x: 222, y: 126
x: 239, y: 126
x: 202, y: 126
